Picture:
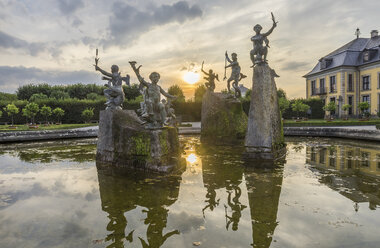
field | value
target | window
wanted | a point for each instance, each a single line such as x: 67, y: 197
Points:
x: 378, y: 80
x: 322, y: 156
x: 350, y: 102
x: 332, y: 158
x: 312, y: 154
x: 366, y: 83
x: 349, y: 159
x: 350, y: 83
x: 364, y: 159
x: 366, y: 56
x: 313, y: 87
x: 322, y: 85
x: 332, y: 84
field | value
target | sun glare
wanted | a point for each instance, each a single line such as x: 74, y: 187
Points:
x: 191, y: 77
x: 192, y: 158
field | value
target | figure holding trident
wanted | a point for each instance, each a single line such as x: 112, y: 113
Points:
x: 259, y: 50
x: 114, y: 93
x: 236, y: 76
x: 211, y: 76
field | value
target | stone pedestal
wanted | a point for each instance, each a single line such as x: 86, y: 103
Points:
x: 264, y: 138
x: 223, y: 119
x: 123, y: 142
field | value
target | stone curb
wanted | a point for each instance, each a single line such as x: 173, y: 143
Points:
x: 21, y: 136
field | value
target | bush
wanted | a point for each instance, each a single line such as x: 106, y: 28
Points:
x: 59, y: 94
x: 38, y: 97
x: 190, y: 111
x: 8, y: 97
x: 87, y: 114
x: 131, y: 92
x: 299, y: 106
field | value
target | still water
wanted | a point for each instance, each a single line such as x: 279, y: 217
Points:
x: 325, y: 194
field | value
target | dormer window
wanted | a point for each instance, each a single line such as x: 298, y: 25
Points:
x: 325, y: 63
x: 366, y: 56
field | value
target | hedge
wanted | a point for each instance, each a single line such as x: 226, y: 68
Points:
x: 73, y: 109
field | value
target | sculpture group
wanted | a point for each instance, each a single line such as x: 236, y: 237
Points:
x: 263, y: 134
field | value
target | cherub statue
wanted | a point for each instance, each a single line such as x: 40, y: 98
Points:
x: 114, y: 93
x: 170, y: 115
x: 236, y: 76
x: 259, y: 50
x: 211, y: 76
x: 155, y: 113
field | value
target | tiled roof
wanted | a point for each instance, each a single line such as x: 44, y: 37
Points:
x: 351, y: 54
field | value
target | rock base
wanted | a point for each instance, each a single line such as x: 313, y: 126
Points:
x: 265, y: 132
x: 223, y: 119
x: 123, y: 142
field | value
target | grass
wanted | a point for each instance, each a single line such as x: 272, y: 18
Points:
x: 336, y: 122
x: 5, y: 128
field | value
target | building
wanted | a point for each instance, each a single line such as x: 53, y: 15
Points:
x: 348, y: 75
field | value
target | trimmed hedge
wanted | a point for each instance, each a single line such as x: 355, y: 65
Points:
x: 73, y: 109
x: 331, y: 123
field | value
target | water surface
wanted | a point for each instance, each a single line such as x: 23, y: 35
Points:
x: 325, y: 194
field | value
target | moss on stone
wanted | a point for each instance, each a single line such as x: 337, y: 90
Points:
x: 141, y: 144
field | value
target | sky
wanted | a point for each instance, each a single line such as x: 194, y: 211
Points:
x: 55, y: 41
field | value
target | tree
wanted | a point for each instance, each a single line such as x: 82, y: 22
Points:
x: 11, y: 110
x: 281, y: 93
x: 30, y: 111
x: 284, y: 104
x: 346, y: 107
x: 59, y: 94
x: 199, y: 92
x: 87, y: 114
x: 46, y: 112
x: 37, y: 97
x: 364, y: 106
x: 330, y: 107
x: 58, y: 113
x: 175, y: 90
x: 299, y: 106
x: 1, y: 113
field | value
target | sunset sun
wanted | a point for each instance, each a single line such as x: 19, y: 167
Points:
x: 191, y: 77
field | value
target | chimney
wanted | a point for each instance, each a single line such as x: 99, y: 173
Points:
x: 374, y: 33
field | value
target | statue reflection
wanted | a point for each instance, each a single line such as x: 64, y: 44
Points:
x: 351, y: 168
x: 121, y: 194
x: 264, y: 188
x: 219, y: 172
x: 236, y: 208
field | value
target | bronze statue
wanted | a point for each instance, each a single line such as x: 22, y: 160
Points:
x: 114, y: 93
x: 155, y: 113
x: 236, y: 76
x: 259, y: 50
x: 211, y: 76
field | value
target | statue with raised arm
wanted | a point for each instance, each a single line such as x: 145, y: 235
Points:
x: 114, y: 92
x: 259, y: 49
x: 236, y: 76
x: 211, y: 76
x: 155, y: 112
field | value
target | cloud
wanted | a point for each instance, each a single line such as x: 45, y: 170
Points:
x: 13, y: 77
x: 127, y: 23
x: 68, y: 7
x: 294, y: 66
x: 8, y: 41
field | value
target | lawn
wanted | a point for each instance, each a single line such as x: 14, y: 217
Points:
x: 5, y: 128
x: 336, y: 122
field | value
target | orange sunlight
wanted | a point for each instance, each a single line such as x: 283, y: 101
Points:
x: 191, y: 77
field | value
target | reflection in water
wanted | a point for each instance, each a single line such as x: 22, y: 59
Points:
x: 329, y: 201
x: 121, y: 194
x: 223, y: 168
x: 352, y: 169
x: 57, y: 150
x: 264, y: 188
